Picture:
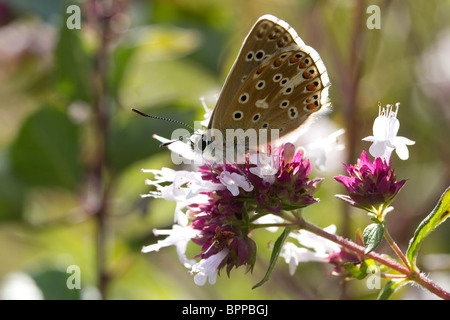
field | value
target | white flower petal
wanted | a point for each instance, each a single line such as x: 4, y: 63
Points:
x: 377, y: 149
x: 385, y: 140
x: 233, y: 181
x: 402, y: 151
x: 178, y: 236
x: 207, y: 268
x: 320, y: 245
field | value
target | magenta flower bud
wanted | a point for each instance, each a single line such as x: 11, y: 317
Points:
x: 370, y: 186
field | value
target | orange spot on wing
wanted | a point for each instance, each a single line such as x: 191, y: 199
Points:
x: 307, y: 75
x: 260, y: 69
x: 311, y: 87
x: 311, y: 106
x: 302, y: 65
x: 277, y: 62
x: 294, y: 60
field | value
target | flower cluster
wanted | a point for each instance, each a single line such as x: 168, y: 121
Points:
x: 218, y: 205
x: 373, y: 186
x: 370, y: 186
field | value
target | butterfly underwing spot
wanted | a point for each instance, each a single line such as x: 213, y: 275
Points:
x: 284, y: 81
x: 307, y: 75
x: 277, y: 63
x: 243, y: 78
x: 249, y: 56
x: 303, y: 64
x: 292, y: 112
x: 259, y: 71
x: 259, y: 55
x: 256, y: 117
x: 260, y: 84
x: 277, y: 77
x: 238, y: 115
x: 312, y: 86
x: 265, y: 125
x: 284, y: 104
x: 262, y: 30
x: 283, y: 41
x: 311, y: 107
x: 293, y: 60
x: 244, y: 97
x: 275, y: 33
x: 288, y: 90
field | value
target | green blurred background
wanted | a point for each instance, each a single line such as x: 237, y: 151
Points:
x: 71, y: 150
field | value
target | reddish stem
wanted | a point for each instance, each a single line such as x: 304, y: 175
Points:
x: 412, y: 275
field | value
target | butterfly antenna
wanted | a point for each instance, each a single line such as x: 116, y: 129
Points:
x: 162, y: 118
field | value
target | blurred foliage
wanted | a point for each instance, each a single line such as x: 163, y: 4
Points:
x: 71, y: 150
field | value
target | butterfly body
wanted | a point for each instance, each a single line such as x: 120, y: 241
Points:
x: 277, y: 82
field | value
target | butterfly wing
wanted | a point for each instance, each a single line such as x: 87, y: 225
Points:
x: 268, y: 35
x: 282, y: 90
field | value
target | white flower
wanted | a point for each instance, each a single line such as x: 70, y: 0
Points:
x: 327, y: 145
x: 270, y: 219
x: 185, y: 188
x: 293, y: 255
x: 266, y: 166
x: 207, y: 268
x: 321, y: 248
x: 233, y: 181
x: 178, y: 236
x: 385, y: 140
x: 185, y: 150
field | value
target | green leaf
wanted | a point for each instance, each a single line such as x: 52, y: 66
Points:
x: 11, y: 197
x: 439, y: 214
x: 274, y: 257
x: 45, y: 151
x: 373, y: 235
x: 53, y: 284
x: 359, y: 271
x: 390, y: 287
x: 73, y: 66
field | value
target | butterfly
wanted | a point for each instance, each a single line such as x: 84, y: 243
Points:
x: 277, y: 82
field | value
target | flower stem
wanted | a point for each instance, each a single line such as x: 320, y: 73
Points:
x: 411, y: 275
x: 396, y: 248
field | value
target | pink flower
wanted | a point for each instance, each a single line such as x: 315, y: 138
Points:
x: 370, y: 186
x: 231, y: 197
